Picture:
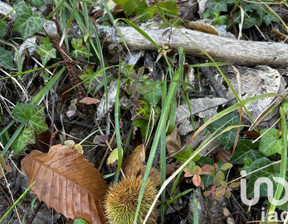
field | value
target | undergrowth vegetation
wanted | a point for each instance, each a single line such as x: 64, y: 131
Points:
x: 60, y: 81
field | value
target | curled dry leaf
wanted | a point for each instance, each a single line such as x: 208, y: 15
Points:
x: 202, y: 27
x: 134, y: 162
x: 67, y: 182
x: 173, y: 142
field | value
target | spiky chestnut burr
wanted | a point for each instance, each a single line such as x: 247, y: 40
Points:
x: 122, y: 199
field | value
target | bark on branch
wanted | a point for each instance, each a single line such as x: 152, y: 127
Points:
x: 219, y: 48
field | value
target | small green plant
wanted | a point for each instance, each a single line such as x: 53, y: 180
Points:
x: 34, y: 118
x: 144, y: 12
x: 46, y: 50
x: 255, y: 13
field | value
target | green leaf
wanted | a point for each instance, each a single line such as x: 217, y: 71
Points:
x: 79, y: 49
x: 140, y: 123
x: 182, y: 157
x: 215, y: 6
x: 249, y: 22
x: 270, y: 18
x: 266, y: 172
x: 152, y: 92
x: 37, y: 121
x: 169, y: 7
x: 6, y: 59
x: 32, y: 114
x: 39, y: 3
x: 247, y: 161
x: 227, y: 138
x: 226, y: 166
x: 80, y: 221
x: 128, y: 5
x: 245, y: 148
x: 22, y: 8
x: 144, y: 12
x: 23, y: 112
x: 46, y: 50
x: 113, y: 156
x: 270, y: 143
x: 3, y: 28
x: 25, y: 22
x: 26, y: 137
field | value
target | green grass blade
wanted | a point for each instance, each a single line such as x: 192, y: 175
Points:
x: 163, y: 155
x: 17, y: 201
x: 139, y: 30
x: 179, y: 195
x: 283, y: 164
x: 117, y: 129
x: 29, y: 71
x: 55, y: 10
x: 161, y: 125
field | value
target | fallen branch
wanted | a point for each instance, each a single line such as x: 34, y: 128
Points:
x: 219, y: 48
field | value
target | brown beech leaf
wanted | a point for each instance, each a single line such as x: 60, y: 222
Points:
x: 134, y: 162
x: 67, y: 182
x: 173, y: 142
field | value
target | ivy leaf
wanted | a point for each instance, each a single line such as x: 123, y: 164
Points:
x: 39, y: 3
x: 37, y: 121
x: 265, y: 172
x: 245, y: 148
x: 152, y: 91
x: 32, y: 114
x: 216, y: 6
x: 22, y: 8
x: 3, y: 28
x: 46, y: 50
x: 26, y: 137
x: 23, y: 113
x: 79, y: 49
x: 6, y: 59
x: 25, y: 22
x: 270, y: 143
x: 169, y: 7
x: 227, y: 138
x: 270, y: 18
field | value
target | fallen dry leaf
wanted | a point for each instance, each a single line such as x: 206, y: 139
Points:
x: 67, y: 182
x: 89, y: 100
x: 173, y: 142
x: 202, y: 27
x: 154, y: 175
x: 134, y: 162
